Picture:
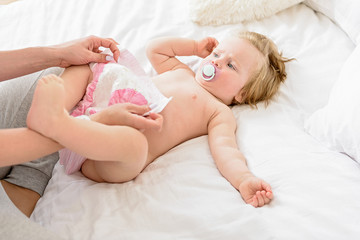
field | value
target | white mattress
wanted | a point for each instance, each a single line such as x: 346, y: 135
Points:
x: 182, y: 195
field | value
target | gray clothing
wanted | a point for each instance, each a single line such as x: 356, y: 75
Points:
x: 15, y: 101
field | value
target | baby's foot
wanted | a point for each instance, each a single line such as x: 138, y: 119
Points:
x: 48, y: 106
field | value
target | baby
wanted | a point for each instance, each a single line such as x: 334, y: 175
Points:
x: 242, y: 69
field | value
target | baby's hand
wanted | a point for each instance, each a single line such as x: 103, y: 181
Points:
x: 255, y: 191
x: 206, y: 46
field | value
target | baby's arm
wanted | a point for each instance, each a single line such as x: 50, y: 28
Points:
x: 231, y: 162
x: 162, y: 52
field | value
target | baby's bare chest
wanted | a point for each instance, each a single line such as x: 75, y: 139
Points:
x: 185, y: 117
x: 188, y: 97
x: 188, y: 112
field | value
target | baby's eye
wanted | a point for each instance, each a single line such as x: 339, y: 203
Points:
x: 231, y: 66
x: 216, y: 55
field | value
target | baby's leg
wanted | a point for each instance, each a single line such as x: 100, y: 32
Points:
x: 90, y: 139
x: 48, y: 105
x: 130, y: 163
x: 76, y: 79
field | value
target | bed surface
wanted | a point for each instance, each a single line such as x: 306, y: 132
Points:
x: 182, y: 195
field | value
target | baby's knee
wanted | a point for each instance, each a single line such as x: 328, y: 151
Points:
x: 131, y: 160
x: 117, y: 172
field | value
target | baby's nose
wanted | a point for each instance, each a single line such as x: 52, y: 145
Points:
x: 216, y: 62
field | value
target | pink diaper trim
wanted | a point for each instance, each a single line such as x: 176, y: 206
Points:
x: 127, y: 95
x: 71, y: 160
x: 89, y: 96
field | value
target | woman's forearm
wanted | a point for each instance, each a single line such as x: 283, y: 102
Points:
x: 20, y: 62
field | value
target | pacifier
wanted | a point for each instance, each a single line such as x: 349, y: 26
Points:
x: 208, y: 72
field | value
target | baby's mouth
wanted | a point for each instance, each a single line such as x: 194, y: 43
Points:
x: 208, y: 72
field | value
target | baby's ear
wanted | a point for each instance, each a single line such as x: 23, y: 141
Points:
x: 238, y: 98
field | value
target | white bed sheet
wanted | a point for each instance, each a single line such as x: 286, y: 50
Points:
x: 182, y: 195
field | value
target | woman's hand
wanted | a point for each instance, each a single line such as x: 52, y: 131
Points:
x: 129, y: 114
x: 85, y: 50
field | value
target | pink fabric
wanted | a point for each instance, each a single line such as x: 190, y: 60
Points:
x: 127, y: 95
x: 88, y: 98
x: 71, y: 160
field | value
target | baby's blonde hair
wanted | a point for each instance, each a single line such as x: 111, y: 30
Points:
x: 265, y: 82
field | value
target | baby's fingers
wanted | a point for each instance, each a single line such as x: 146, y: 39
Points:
x: 260, y: 199
x: 269, y: 194
x: 254, y: 202
x: 212, y: 42
x: 265, y: 186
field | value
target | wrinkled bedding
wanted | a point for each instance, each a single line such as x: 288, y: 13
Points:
x: 182, y: 195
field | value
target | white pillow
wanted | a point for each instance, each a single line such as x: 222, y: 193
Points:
x: 346, y: 13
x: 338, y: 124
x: 218, y: 12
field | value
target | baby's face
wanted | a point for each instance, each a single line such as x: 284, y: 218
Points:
x: 234, y: 60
